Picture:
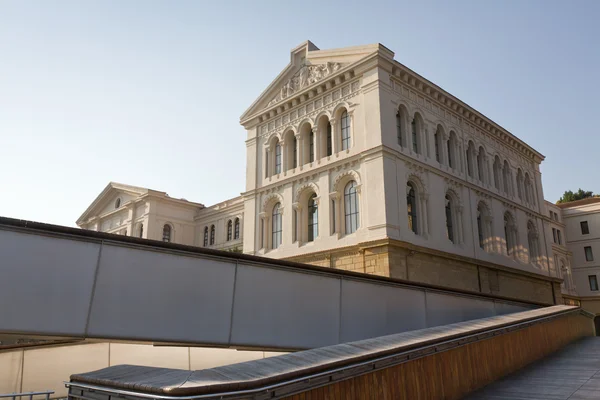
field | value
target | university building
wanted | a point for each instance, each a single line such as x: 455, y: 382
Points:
x: 356, y: 162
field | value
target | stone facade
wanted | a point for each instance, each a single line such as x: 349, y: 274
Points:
x: 356, y: 162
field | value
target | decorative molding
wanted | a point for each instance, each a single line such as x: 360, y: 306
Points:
x: 304, y: 77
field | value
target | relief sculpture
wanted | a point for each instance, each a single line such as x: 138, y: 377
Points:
x: 306, y: 76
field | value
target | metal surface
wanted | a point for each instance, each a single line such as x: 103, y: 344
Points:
x: 71, y: 283
x: 288, y: 374
x: 14, y: 396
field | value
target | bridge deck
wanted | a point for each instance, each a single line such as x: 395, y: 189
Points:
x: 572, y: 373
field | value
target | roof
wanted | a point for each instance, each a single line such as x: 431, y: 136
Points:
x: 576, y: 203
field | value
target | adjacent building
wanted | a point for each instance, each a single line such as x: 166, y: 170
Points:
x: 354, y: 161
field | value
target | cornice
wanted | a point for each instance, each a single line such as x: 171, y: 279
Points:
x: 465, y: 113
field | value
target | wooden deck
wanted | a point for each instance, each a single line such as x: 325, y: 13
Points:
x: 572, y: 373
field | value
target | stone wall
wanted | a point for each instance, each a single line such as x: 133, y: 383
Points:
x: 407, y: 262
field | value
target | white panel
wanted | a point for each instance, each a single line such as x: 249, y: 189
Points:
x: 40, y: 278
x: 371, y: 310
x: 11, y: 364
x: 48, y: 368
x: 159, y: 296
x: 443, y: 309
x: 149, y: 355
x: 278, y: 308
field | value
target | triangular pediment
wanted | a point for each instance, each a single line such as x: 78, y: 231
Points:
x: 105, y: 201
x: 308, y: 66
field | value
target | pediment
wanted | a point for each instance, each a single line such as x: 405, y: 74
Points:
x: 308, y: 66
x: 106, y: 200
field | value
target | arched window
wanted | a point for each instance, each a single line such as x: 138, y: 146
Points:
x: 276, y: 229
x: 236, y: 229
x: 415, y: 137
x: 313, y: 218
x: 229, y: 230
x: 311, y: 145
x: 345, y: 120
x: 411, y: 207
x: 166, y: 233
x: 470, y: 156
x: 497, y: 173
x: 484, y: 226
x: 449, y: 224
x: 481, y: 165
x: 527, y: 188
x: 294, y: 152
x: 532, y: 238
x: 141, y: 233
x: 277, y: 157
x: 206, y: 236
x: 520, y: 184
x: 351, y: 208
x: 437, y: 139
x: 212, y: 235
x: 451, y: 147
x: 118, y: 202
x: 510, y: 234
x: 399, y: 128
x: 329, y: 140
x: 506, y: 177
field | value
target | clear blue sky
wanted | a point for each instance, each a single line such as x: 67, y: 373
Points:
x: 150, y: 92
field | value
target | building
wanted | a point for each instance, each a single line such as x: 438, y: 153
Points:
x: 581, y: 221
x: 354, y: 161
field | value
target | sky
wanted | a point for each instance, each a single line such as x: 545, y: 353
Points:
x: 149, y: 93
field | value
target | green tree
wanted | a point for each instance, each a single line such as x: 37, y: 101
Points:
x: 578, y: 195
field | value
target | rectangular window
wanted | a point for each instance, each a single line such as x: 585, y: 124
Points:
x: 413, y: 127
x: 332, y: 216
x: 593, y: 283
x: 589, y: 255
x: 436, y: 139
x: 551, y: 215
x: 585, y: 229
x: 555, y: 216
x: 295, y: 144
x: 329, y: 141
x: 345, y: 131
x: 311, y: 150
x: 278, y: 158
x: 559, y: 236
x: 554, y: 234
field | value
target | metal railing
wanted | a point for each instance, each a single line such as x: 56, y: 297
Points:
x: 14, y: 396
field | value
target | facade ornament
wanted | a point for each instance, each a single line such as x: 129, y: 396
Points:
x: 306, y: 76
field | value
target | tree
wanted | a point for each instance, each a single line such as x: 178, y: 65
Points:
x: 578, y: 195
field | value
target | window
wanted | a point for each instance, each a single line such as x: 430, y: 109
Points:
x: 329, y: 140
x: 481, y: 165
x: 527, y: 188
x: 278, y: 158
x: 212, y: 235
x: 510, y: 233
x: 532, y: 239
x: 345, y: 130
x: 276, y: 226
x: 413, y: 127
x: 506, y: 177
x: 313, y: 218
x: 206, y: 236
x: 399, y: 127
x: 470, y: 152
x: 559, y: 236
x: 229, y: 230
x: 166, y: 233
x: 589, y: 256
x: 236, y: 229
x: 449, y: 227
x: 118, y: 203
x: 311, y: 145
x: 554, y: 234
x: 411, y: 207
x: 436, y: 138
x: 295, y: 152
x: 593, y: 283
x: 332, y: 216
x: 556, y: 217
x: 520, y: 186
x: 450, y: 159
x: 267, y: 163
x: 351, y: 207
x: 497, y: 173
x: 480, y: 228
x: 585, y: 229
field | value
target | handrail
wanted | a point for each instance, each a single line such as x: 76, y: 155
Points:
x: 360, y: 366
x: 26, y: 394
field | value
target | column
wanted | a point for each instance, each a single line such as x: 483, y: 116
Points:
x: 299, y: 150
x: 317, y: 143
x: 335, y: 145
x: 283, y: 156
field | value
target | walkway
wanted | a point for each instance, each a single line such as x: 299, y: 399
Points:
x: 572, y: 373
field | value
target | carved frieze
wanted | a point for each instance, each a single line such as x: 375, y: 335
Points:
x: 306, y: 76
